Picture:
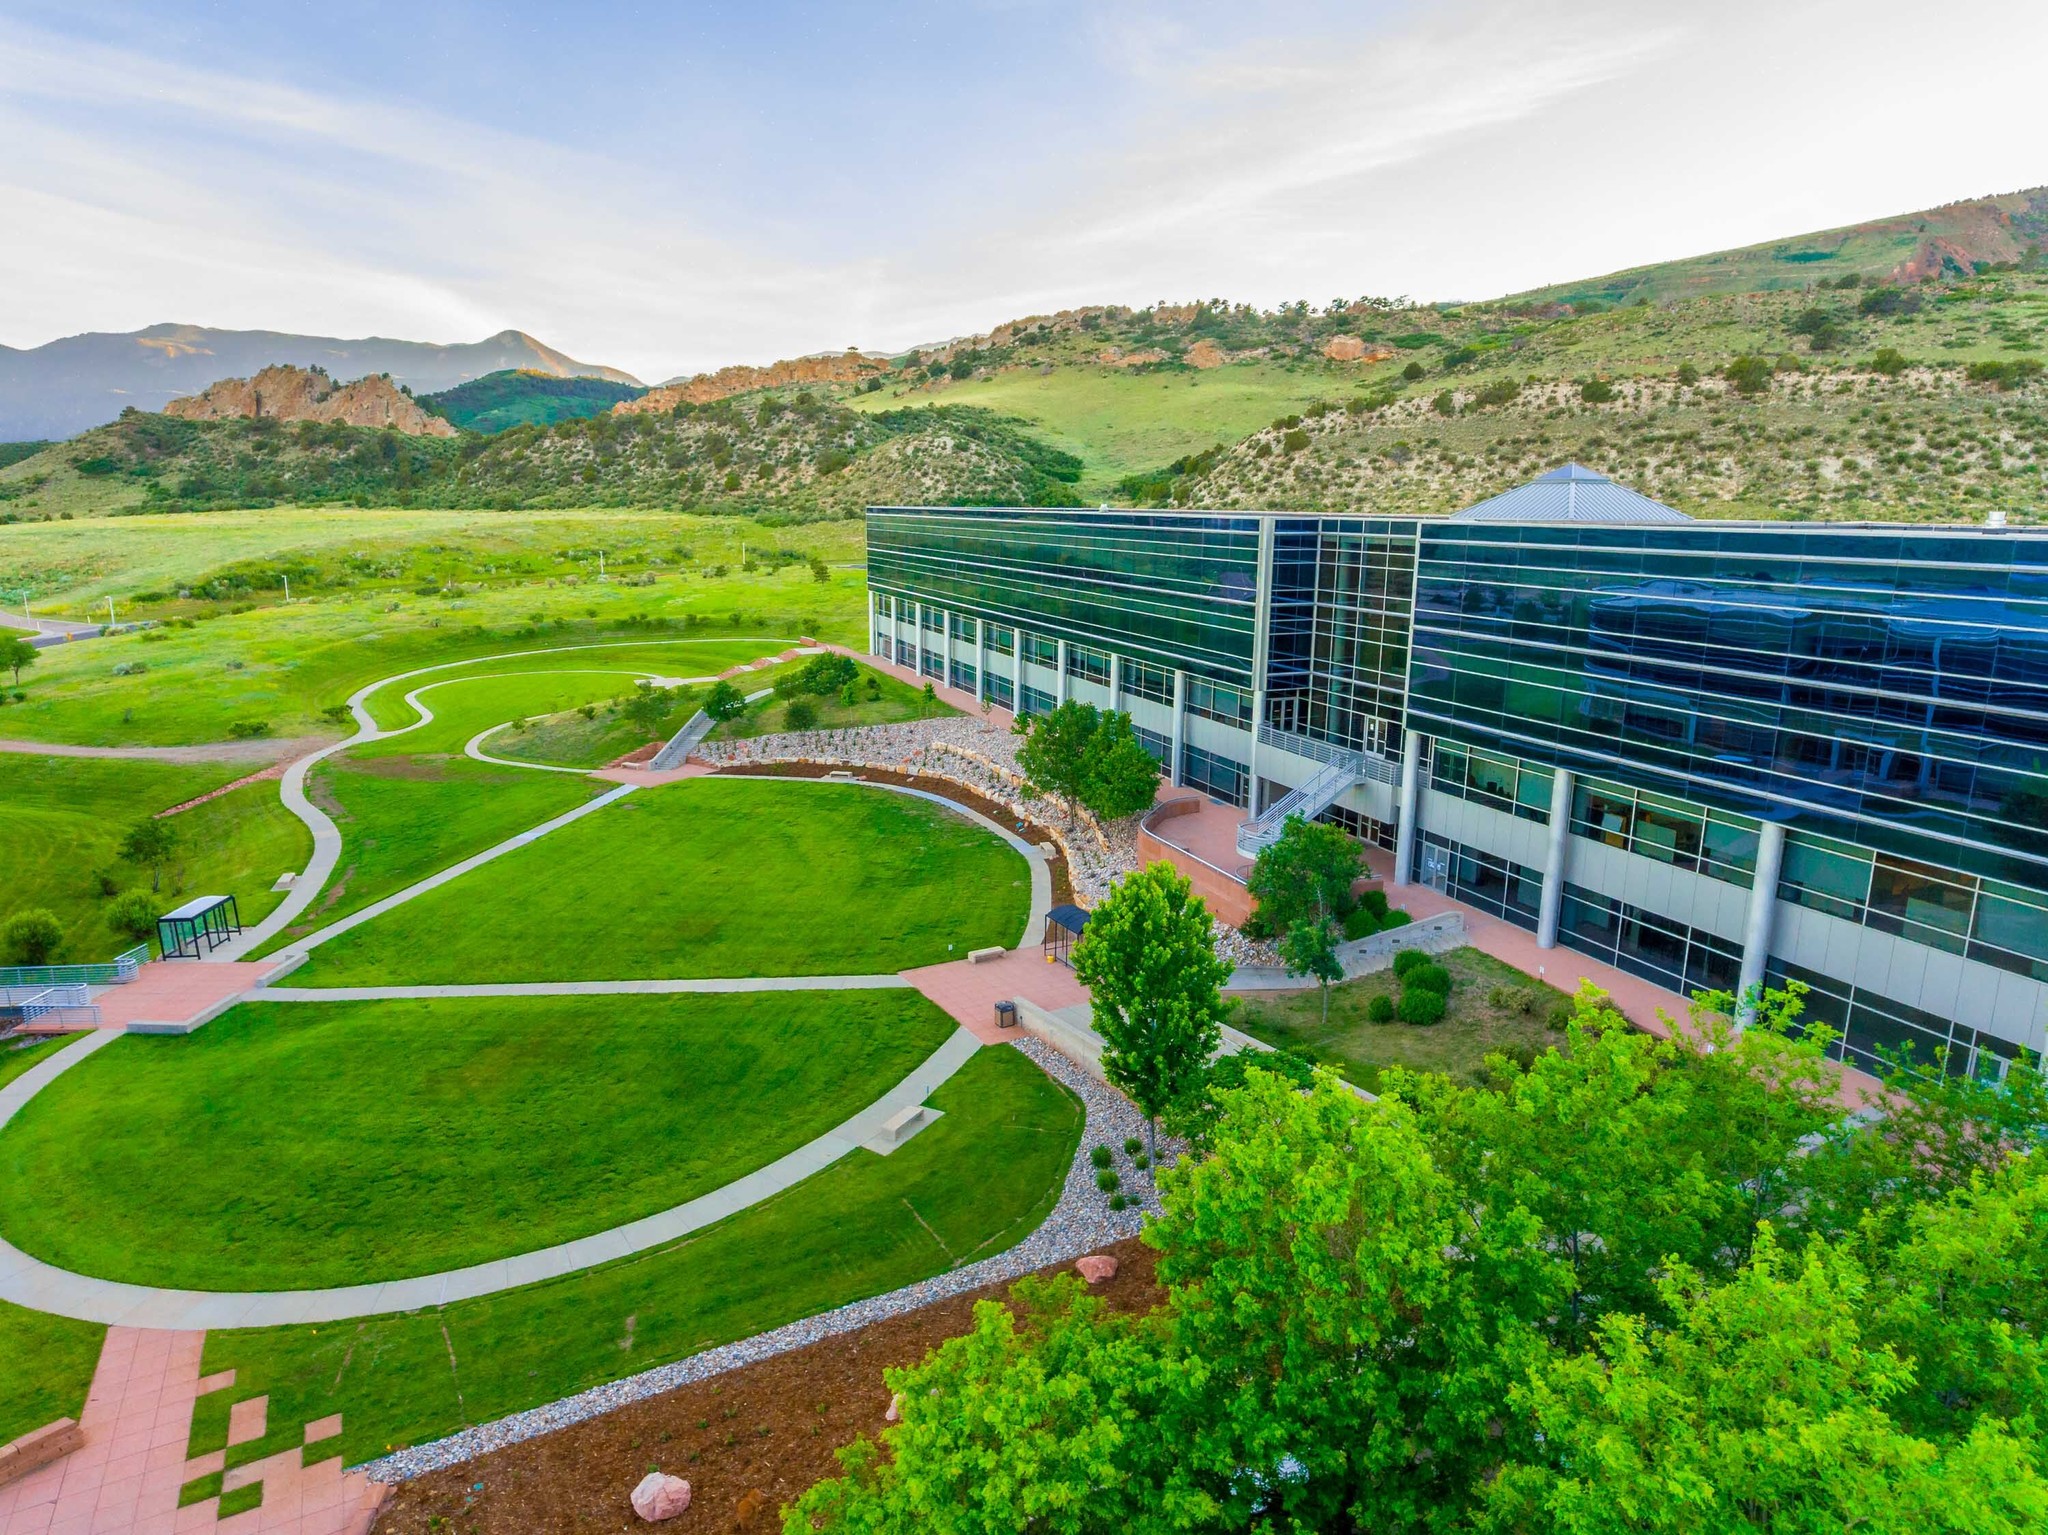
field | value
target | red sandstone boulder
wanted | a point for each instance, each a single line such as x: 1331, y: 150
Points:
x: 660, y: 1497
x: 1096, y: 1268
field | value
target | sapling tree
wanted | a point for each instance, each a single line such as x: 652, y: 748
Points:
x: 15, y: 654
x: 1310, y: 948
x: 151, y: 842
x: 1305, y: 875
x: 1153, y: 974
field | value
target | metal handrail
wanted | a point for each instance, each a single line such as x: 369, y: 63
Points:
x: 113, y: 972
x: 1308, y: 802
x: 1363, y: 764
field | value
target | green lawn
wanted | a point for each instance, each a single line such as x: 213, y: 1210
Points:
x: 290, y: 1146
x: 707, y: 877
x: 403, y: 818
x: 62, y: 820
x: 1474, y: 1026
x: 46, y: 1364
x: 522, y: 580
x: 18, y: 1058
x: 978, y: 1181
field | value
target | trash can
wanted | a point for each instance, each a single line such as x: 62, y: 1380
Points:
x: 1006, y: 1015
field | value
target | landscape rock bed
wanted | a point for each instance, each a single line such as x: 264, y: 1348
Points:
x: 1080, y: 1223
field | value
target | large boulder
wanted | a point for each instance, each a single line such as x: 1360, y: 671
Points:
x: 660, y: 1497
x: 1096, y: 1267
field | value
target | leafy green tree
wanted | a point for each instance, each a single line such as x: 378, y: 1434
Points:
x: 1889, y: 361
x: 1151, y: 967
x: 801, y: 714
x: 1310, y: 948
x: 1633, y: 1150
x: 1761, y: 1408
x: 1118, y: 776
x: 15, y: 654
x: 151, y: 842
x: 32, y: 936
x: 725, y: 702
x: 1049, y: 1420
x: 1345, y: 1329
x: 1054, y: 750
x: 1305, y: 875
x: 1196, y: 1117
x: 649, y: 707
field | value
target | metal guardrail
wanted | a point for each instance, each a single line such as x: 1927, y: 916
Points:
x: 1366, y: 765
x: 113, y: 972
x: 59, y: 1004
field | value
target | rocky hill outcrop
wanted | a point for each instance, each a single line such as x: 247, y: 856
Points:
x: 307, y: 394
x: 703, y: 388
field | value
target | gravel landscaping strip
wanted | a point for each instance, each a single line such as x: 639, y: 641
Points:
x: 1080, y: 1223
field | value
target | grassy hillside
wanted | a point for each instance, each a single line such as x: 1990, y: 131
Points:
x: 524, y: 397
x: 792, y: 459
x: 1952, y: 241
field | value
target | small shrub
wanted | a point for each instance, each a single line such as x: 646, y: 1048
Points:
x: 1889, y: 361
x: 801, y: 715
x: 1409, y: 960
x: 130, y: 668
x: 1132, y: 1145
x: 1445, y: 404
x: 1118, y: 1202
x: 1420, y: 1008
x: 1100, y: 1156
x: 133, y: 915
x: 32, y: 936
x: 249, y: 730
x: 1501, y: 392
x: 1294, y: 441
x: 1380, y: 1009
x: 1359, y: 922
x: 1375, y: 901
x: 1596, y: 391
x: 1750, y: 375
x: 1688, y: 375
x: 106, y: 881
x: 1395, y: 918
x: 1430, y: 977
x: 1139, y: 1161
x: 1413, y: 371
x: 1107, y: 1180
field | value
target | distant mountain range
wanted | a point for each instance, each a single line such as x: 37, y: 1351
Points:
x: 66, y: 386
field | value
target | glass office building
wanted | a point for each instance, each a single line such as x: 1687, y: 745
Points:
x: 1708, y: 753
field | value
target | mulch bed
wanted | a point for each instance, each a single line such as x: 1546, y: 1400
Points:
x: 747, y: 1441
x: 945, y: 788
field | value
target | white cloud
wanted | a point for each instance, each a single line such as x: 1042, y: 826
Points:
x: 1455, y: 151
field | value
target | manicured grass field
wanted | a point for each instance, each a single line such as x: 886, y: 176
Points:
x: 62, y: 820
x: 899, y: 701
x: 1472, y: 1028
x: 979, y: 1180
x: 402, y: 818
x: 290, y: 1146
x: 18, y: 1058
x: 46, y: 1364
x: 707, y: 877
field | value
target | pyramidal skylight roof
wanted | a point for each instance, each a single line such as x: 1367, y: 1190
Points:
x: 1572, y: 493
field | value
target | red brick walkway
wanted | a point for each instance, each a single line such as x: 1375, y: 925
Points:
x: 137, y: 1422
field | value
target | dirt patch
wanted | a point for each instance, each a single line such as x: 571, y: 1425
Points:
x: 758, y: 1435
x: 261, y: 749
x: 275, y: 770
x: 944, y: 788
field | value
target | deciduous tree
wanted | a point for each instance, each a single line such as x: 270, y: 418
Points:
x: 151, y: 842
x: 15, y: 654
x: 1151, y: 967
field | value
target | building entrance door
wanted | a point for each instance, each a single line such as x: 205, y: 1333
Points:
x: 1436, y: 868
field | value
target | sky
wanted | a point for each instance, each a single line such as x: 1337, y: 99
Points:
x: 671, y: 188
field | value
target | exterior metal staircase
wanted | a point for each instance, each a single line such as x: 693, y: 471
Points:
x: 1342, y: 769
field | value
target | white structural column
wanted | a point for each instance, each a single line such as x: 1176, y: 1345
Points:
x: 1017, y: 671
x: 1060, y: 687
x: 1763, y: 912
x: 1262, y: 624
x: 917, y: 639
x: 946, y: 648
x: 1116, y: 682
x: 1180, y: 726
x: 871, y: 620
x: 980, y: 658
x: 1554, y: 867
x: 1410, y: 810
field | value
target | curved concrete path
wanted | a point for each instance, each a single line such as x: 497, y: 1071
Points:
x: 326, y: 835
x: 579, y: 988
x: 40, y: 1286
